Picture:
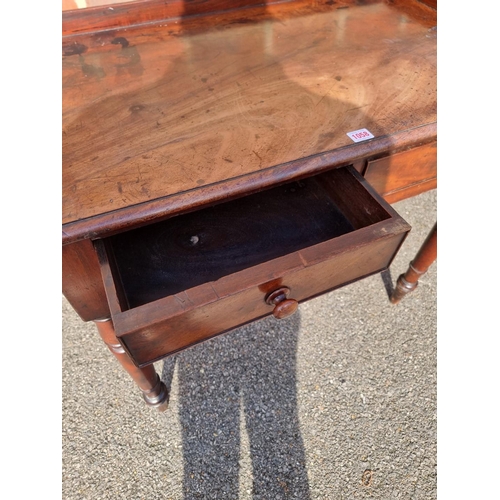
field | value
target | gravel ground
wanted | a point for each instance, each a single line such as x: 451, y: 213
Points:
x: 335, y: 402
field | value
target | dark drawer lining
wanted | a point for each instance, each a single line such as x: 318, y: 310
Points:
x: 168, y: 257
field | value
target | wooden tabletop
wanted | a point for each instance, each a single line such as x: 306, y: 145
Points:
x: 168, y: 108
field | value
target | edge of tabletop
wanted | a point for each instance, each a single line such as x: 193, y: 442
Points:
x: 128, y: 13
x: 158, y: 209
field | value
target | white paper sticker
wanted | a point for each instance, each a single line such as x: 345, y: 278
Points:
x: 360, y: 135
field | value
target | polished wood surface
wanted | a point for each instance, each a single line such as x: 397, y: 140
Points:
x: 155, y: 111
x: 164, y: 325
x: 69, y: 5
x: 153, y: 389
x: 401, y: 171
x: 172, y: 109
x: 200, y: 247
x: 154, y: 330
x: 412, y: 190
x: 82, y: 282
x: 101, y: 15
x: 283, y: 305
x: 425, y: 257
x: 138, y: 215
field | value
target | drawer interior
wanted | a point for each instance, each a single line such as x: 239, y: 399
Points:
x: 182, y: 252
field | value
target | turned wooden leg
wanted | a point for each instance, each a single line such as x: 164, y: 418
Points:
x: 153, y: 389
x: 408, y: 281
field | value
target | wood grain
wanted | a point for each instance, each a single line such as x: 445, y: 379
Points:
x: 151, y: 112
x: 220, y: 303
x: 147, y: 341
x: 81, y: 281
x: 146, y: 213
x: 183, y: 252
x: 111, y: 15
x: 409, y: 191
x: 426, y: 255
x: 402, y: 170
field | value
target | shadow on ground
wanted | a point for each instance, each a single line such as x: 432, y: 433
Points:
x: 249, y: 382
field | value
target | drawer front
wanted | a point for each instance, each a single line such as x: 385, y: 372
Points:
x: 157, y: 327
x: 170, y: 335
x: 405, y: 174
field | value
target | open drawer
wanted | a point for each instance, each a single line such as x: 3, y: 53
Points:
x: 180, y: 281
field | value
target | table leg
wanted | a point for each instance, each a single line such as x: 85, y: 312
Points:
x: 427, y: 254
x: 153, y: 389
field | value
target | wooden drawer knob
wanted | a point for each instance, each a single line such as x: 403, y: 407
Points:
x: 283, y: 307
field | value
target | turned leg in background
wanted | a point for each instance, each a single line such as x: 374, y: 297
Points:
x: 153, y: 389
x: 408, y: 281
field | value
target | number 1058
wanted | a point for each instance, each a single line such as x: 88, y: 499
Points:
x: 360, y: 135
